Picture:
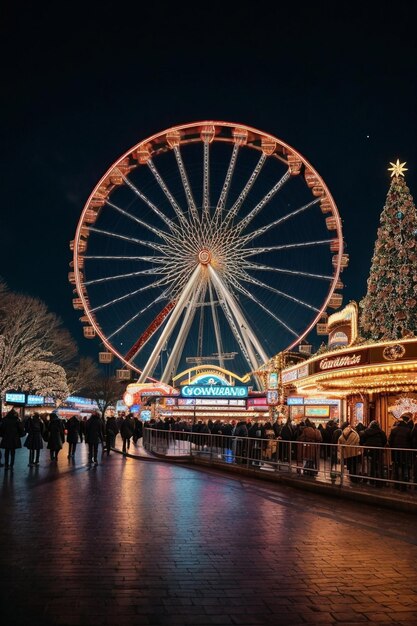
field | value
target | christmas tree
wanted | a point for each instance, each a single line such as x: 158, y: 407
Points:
x: 389, y: 309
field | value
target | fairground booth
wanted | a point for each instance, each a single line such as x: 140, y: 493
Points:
x: 201, y: 393
x: 354, y: 381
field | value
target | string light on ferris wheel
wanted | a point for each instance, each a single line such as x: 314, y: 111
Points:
x: 197, y: 254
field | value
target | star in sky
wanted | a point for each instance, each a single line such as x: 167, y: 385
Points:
x: 397, y: 168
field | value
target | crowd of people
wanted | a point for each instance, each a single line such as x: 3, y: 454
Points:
x: 51, y: 432
x: 362, y: 450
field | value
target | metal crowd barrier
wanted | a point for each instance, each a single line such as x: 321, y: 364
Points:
x: 343, y: 465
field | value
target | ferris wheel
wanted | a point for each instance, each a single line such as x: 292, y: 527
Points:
x: 206, y: 242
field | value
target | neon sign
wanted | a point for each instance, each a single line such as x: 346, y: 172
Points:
x: 214, y: 391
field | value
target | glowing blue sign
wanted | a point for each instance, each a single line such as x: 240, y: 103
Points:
x: 32, y: 400
x: 15, y: 398
x: 294, y: 400
x: 214, y: 391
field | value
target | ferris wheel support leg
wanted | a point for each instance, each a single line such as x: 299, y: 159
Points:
x: 178, y: 348
x: 246, y: 330
x: 173, y: 319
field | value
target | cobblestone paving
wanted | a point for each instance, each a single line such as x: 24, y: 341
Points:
x: 135, y: 542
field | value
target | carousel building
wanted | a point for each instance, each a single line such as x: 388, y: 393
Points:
x: 375, y: 380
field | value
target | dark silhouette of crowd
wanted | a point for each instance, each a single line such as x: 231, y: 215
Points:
x: 366, y: 452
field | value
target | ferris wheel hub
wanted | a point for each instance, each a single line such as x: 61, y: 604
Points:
x: 204, y: 256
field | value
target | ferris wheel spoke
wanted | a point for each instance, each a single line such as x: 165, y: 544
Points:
x: 189, y: 195
x: 226, y: 185
x: 206, y: 181
x: 271, y: 193
x: 179, y: 344
x: 254, y: 281
x: 281, y: 270
x: 263, y: 229
x: 140, y: 242
x: 286, y: 246
x: 161, y: 234
x: 149, y: 259
x: 235, y: 208
x: 243, y: 323
x: 216, y: 326
x: 201, y: 323
x: 169, y: 327
x: 150, y: 204
x: 245, y: 292
x: 147, y: 272
x: 163, y: 296
x: 167, y: 192
x: 234, y: 328
x: 157, y: 283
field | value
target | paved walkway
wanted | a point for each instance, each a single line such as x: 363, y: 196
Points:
x: 135, y: 542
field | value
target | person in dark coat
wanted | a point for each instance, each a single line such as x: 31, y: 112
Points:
x: 286, y: 435
x: 400, y: 438
x: 256, y: 434
x: 34, y: 442
x: 94, y: 434
x: 12, y: 429
x: 73, y: 435
x: 111, y: 431
x: 373, y: 438
x: 56, y: 436
x: 327, y: 435
x: 137, y: 430
x: 240, y: 432
x: 126, y: 430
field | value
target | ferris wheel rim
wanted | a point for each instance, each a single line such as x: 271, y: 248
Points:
x: 286, y: 148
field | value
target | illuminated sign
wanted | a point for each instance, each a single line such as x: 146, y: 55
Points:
x: 302, y: 371
x: 317, y: 411
x: 214, y: 391
x: 15, y: 398
x: 289, y: 376
x: 33, y: 400
x: 145, y: 415
x: 272, y: 397
x: 331, y: 401
x: 340, y: 361
x: 294, y: 400
x: 79, y: 400
x: 273, y: 380
x: 338, y: 338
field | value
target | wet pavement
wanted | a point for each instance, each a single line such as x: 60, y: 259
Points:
x: 136, y: 542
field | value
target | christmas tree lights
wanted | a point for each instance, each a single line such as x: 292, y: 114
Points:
x: 389, y: 309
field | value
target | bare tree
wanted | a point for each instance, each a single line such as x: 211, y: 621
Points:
x: 82, y: 376
x: 105, y: 391
x: 33, y: 346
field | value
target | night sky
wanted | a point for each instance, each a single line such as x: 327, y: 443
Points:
x: 82, y: 87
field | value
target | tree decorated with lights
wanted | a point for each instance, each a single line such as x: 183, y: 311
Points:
x: 389, y: 309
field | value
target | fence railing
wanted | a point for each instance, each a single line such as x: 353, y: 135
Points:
x: 394, y: 468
